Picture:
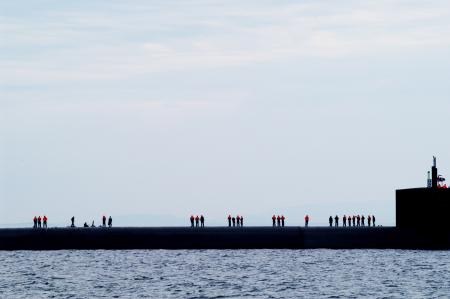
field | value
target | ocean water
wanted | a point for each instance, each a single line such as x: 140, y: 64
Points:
x: 225, y: 274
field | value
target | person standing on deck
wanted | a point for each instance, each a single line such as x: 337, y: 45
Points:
x: 373, y: 220
x: 238, y: 220
x: 234, y: 221
x: 242, y: 221
x: 358, y: 220
x: 330, y: 220
x: 202, y: 221
x: 196, y: 220
x: 336, y: 221
x: 73, y: 221
x: 35, y: 222
x: 354, y: 220
x: 229, y: 220
x: 369, y: 220
x: 362, y: 220
x: 306, y: 220
x: 282, y: 220
x: 273, y: 220
x: 104, y: 220
x: 45, y: 221
x: 278, y: 220
x: 110, y: 221
x: 192, y: 220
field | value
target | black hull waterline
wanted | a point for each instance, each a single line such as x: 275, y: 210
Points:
x: 223, y: 238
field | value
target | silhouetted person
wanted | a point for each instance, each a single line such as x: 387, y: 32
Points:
x: 273, y: 220
x: 278, y: 220
x: 234, y: 221
x: 373, y: 220
x: 104, y: 220
x: 369, y: 220
x: 192, y: 220
x: 306, y: 220
x: 336, y: 221
x: 86, y: 225
x: 242, y: 221
x: 330, y: 220
x: 39, y: 222
x: 354, y: 220
x: 92, y: 225
x: 238, y: 220
x: 362, y: 220
x: 282, y: 220
x: 229, y: 220
x: 35, y: 222
x: 196, y: 221
x: 110, y: 221
x: 73, y: 221
x: 202, y: 221
x: 344, y: 221
x: 45, y: 221
x: 358, y: 220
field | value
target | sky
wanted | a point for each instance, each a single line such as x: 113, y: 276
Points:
x: 150, y: 111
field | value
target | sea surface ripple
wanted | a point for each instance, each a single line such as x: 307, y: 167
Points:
x: 225, y: 274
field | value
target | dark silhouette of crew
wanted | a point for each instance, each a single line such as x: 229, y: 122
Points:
x: 238, y: 220
x: 35, y: 222
x: 110, y: 221
x: 242, y: 221
x: 234, y: 221
x: 344, y: 221
x: 373, y: 220
x: 273, y: 220
x: 44, y: 221
x: 196, y: 220
x: 72, y: 220
x: 369, y: 220
x: 229, y: 220
x: 282, y: 220
x: 330, y: 220
x: 192, y: 220
x: 104, y: 220
x: 306, y: 220
x: 278, y: 220
x: 336, y: 221
x: 354, y: 220
x: 39, y: 222
x: 358, y: 220
x: 362, y: 220
x: 202, y: 221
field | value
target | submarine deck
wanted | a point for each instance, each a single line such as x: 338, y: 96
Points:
x: 222, y: 238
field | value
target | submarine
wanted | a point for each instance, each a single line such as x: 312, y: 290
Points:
x: 414, y: 229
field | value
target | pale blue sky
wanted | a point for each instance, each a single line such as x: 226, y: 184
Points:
x: 168, y: 108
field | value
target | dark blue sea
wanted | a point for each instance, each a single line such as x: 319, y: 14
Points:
x: 225, y: 274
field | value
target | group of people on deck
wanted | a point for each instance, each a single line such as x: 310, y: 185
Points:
x: 279, y: 220
x: 199, y: 221
x: 353, y: 220
x: 237, y: 221
x: 39, y: 222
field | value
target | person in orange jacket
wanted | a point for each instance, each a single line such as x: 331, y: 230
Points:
x: 282, y: 220
x: 45, y: 221
x: 306, y: 220
x: 273, y: 220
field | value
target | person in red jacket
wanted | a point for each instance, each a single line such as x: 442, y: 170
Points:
x: 192, y: 220
x: 306, y: 220
x: 45, y: 221
x: 196, y: 220
x: 282, y: 220
x: 39, y: 221
x: 35, y: 222
x: 273, y: 220
x: 278, y: 220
